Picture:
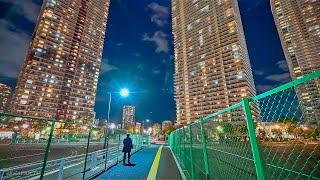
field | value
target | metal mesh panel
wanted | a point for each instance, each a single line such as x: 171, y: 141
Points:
x: 197, y: 149
x: 228, y: 146
x: 186, y: 150
x: 274, y: 135
x: 287, y: 131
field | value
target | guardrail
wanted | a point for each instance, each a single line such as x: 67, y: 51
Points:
x: 274, y: 135
x: 58, y: 149
x: 66, y: 168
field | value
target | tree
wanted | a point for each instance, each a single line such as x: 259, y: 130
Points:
x: 228, y: 128
x: 308, y: 131
x: 156, y: 129
x: 168, y: 129
x: 277, y: 133
x: 130, y: 128
x: 298, y: 132
x: 262, y: 134
x: 314, y: 133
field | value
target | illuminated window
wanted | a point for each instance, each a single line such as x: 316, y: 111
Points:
x: 205, y: 9
x: 189, y: 26
x: 201, y: 40
x: 23, y: 102
x: 229, y: 12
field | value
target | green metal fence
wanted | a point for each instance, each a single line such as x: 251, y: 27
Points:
x: 274, y: 135
x: 40, y: 148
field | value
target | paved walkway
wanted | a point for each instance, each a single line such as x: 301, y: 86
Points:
x: 161, y: 161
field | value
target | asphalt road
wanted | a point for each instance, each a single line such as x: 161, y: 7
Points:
x: 18, y: 154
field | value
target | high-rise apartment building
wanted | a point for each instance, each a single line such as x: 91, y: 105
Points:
x: 61, y: 68
x: 298, y: 25
x: 5, y: 92
x: 128, y: 116
x: 212, y: 67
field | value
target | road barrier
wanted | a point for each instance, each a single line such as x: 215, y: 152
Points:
x: 274, y: 135
x: 40, y: 148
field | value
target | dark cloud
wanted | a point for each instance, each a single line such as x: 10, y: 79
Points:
x: 13, y: 46
x: 160, y: 14
x: 136, y: 54
x: 26, y: 8
x: 14, y: 41
x: 119, y: 44
x: 284, y: 77
x: 258, y: 72
x: 160, y: 39
x: 106, y: 66
x: 282, y: 65
x: 262, y: 88
x: 156, y: 71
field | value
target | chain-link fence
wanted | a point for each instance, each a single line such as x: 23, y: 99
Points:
x: 39, y: 148
x: 274, y: 135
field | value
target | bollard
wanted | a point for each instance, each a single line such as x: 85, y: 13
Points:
x: 94, y: 160
x: 61, y: 165
x: 1, y: 174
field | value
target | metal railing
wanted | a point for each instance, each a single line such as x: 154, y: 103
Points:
x: 274, y: 135
x: 40, y: 148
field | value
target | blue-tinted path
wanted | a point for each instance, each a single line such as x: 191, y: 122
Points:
x: 144, y: 159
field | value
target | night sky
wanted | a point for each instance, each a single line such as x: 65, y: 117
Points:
x: 138, y: 52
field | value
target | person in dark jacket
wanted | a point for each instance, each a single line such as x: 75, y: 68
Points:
x: 127, y: 146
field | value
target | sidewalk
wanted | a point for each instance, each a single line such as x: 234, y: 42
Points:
x: 144, y: 159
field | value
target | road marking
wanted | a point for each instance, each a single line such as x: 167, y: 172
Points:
x: 154, y: 168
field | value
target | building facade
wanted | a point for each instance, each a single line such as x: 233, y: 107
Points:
x: 128, y: 116
x: 212, y: 67
x: 138, y: 128
x: 298, y: 25
x: 5, y: 93
x: 60, y: 71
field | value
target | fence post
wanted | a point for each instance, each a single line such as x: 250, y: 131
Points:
x: 204, y: 147
x: 184, y: 147
x: 45, y: 159
x: 179, y: 147
x: 118, y: 149
x: 191, y: 153
x: 87, y: 151
x: 105, y: 147
x: 253, y: 140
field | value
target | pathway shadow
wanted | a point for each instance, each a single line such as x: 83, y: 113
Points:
x: 129, y: 164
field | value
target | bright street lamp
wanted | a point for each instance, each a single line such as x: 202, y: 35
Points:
x: 124, y: 92
x: 112, y: 126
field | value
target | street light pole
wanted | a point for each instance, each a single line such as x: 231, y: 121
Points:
x: 107, y: 134
x: 109, y: 107
x: 124, y: 92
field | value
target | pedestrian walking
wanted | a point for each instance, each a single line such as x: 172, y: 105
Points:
x: 127, y: 146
